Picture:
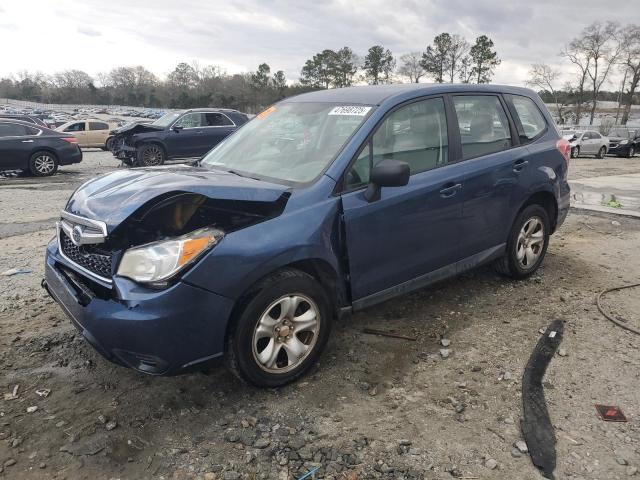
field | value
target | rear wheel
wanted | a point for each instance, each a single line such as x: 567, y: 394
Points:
x: 43, y: 164
x: 601, y: 153
x: 280, y: 331
x: 527, y: 243
x: 149, y: 155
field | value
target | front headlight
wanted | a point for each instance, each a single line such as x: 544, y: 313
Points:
x: 624, y: 142
x: 159, y: 261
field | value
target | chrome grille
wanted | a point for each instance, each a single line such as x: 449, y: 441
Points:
x: 97, y: 263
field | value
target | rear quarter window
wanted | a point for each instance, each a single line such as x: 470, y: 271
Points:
x: 529, y: 119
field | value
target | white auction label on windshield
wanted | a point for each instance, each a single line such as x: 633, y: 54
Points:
x: 356, y: 110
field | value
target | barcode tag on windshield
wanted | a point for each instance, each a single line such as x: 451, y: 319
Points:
x: 354, y: 110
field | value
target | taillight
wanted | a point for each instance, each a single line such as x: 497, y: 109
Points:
x: 564, y: 147
x: 73, y: 140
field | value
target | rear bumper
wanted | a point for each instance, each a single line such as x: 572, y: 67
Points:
x: 155, y: 332
x: 73, y: 156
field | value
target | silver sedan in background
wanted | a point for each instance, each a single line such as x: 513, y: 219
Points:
x: 587, y: 143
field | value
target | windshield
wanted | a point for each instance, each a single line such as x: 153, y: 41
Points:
x: 166, y: 119
x: 291, y: 142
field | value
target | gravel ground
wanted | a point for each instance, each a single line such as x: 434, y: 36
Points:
x: 374, y: 407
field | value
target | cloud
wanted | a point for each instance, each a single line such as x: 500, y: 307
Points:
x: 240, y: 35
x: 88, y: 31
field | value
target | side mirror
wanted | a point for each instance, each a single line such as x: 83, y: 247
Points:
x: 387, y: 173
x: 177, y: 128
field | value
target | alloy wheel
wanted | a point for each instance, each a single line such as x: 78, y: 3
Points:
x: 286, y: 333
x: 44, y: 164
x: 530, y: 242
x: 152, y: 156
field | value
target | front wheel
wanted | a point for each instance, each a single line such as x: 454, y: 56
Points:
x: 149, y: 155
x: 601, y: 153
x: 43, y: 164
x: 631, y: 152
x: 280, y: 331
x: 575, y: 152
x: 527, y: 243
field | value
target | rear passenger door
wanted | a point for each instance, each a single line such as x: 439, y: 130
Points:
x: 216, y: 126
x: 494, y: 163
x: 97, y: 135
x: 16, y: 144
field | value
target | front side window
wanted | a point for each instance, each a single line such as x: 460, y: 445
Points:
x: 98, y: 126
x: 217, y: 120
x: 532, y: 122
x: 167, y: 119
x: 75, y: 127
x: 190, y: 120
x: 483, y: 124
x: 415, y: 134
x: 290, y: 142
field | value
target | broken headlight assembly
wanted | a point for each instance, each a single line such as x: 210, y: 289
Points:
x: 157, y: 262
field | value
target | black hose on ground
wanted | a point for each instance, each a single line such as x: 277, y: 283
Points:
x: 609, y: 317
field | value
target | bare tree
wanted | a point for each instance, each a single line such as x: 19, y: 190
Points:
x: 577, y: 54
x: 630, y: 60
x: 602, y: 45
x: 458, y: 50
x: 410, y: 67
x: 544, y: 77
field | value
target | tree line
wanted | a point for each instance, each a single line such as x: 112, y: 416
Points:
x: 590, y: 58
x: 450, y: 58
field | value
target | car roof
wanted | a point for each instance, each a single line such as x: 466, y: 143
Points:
x: 212, y: 109
x: 377, y: 94
x: 20, y: 122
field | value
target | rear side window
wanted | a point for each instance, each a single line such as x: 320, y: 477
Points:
x: 415, y: 134
x: 12, y: 130
x: 98, y: 126
x: 483, y: 124
x: 594, y: 136
x: 217, y: 120
x: 530, y: 121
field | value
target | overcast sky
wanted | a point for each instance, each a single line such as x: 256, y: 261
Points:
x: 95, y: 36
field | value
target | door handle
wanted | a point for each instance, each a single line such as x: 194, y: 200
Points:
x: 27, y: 141
x: 450, y: 189
x: 519, y: 165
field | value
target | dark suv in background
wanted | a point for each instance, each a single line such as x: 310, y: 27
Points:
x: 182, y: 134
x: 326, y: 203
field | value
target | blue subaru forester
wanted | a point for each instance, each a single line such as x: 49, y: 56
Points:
x: 323, y: 204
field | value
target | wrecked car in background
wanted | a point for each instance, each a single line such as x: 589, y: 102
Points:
x: 624, y: 142
x: 326, y: 203
x: 183, y: 134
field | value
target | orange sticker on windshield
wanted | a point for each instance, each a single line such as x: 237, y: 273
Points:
x: 266, y: 112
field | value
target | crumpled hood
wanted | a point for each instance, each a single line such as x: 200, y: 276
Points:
x: 134, y: 127
x: 113, y: 197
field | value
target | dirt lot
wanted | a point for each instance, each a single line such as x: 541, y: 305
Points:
x: 375, y: 407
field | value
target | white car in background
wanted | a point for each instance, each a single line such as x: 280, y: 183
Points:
x: 588, y: 142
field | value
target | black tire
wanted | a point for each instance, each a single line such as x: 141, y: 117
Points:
x: 602, y: 152
x: 509, y: 265
x: 575, y: 152
x: 241, y: 355
x: 108, y: 145
x: 150, y: 155
x: 43, y: 164
x: 631, y: 152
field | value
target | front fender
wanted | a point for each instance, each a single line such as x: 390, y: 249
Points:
x: 245, y: 256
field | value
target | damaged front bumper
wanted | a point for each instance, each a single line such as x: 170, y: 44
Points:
x: 163, y: 332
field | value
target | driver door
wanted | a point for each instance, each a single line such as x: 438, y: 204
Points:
x: 411, y: 235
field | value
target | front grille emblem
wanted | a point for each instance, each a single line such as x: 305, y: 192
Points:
x: 76, y: 235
